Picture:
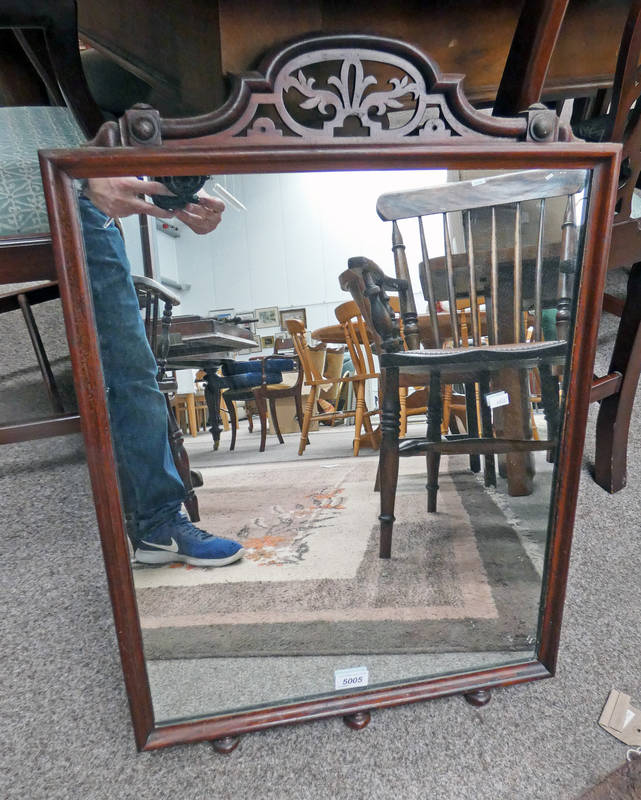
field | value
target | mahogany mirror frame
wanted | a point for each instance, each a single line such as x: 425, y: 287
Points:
x: 60, y: 168
x: 443, y: 131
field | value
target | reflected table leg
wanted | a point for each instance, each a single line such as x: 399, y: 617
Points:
x: 212, y: 398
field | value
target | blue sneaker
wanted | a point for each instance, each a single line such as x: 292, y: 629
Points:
x: 179, y: 540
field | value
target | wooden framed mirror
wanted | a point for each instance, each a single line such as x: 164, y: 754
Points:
x: 313, y: 150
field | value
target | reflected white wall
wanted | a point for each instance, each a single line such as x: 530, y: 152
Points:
x: 292, y: 243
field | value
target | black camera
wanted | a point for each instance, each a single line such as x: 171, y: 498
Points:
x: 184, y: 187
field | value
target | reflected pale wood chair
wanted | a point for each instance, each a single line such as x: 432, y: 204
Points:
x: 499, y: 276
x: 315, y: 380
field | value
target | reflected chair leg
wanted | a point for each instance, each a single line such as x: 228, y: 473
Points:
x: 233, y: 421
x: 388, y: 459
x: 299, y: 411
x: 402, y: 393
x: 613, y: 420
x: 181, y: 460
x: 261, y: 405
x: 433, y: 457
x: 272, y: 410
x: 550, y: 403
x: 307, y: 418
x: 489, y: 465
x: 360, y: 411
x: 472, y: 423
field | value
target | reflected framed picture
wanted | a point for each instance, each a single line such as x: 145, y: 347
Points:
x: 266, y: 342
x: 267, y: 317
x: 292, y: 313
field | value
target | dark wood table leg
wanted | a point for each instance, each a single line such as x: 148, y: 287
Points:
x: 613, y: 421
x: 212, y: 398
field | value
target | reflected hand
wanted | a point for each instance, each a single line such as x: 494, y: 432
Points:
x: 204, y: 216
x: 119, y: 197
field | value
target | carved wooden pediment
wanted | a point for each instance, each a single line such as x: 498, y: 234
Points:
x: 326, y: 89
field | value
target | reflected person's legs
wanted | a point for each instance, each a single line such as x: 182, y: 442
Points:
x: 152, y: 490
x: 151, y: 487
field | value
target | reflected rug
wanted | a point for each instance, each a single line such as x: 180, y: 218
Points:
x: 312, y: 583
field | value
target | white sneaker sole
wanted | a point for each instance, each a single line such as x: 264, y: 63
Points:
x: 163, y: 557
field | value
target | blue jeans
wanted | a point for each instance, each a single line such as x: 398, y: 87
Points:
x: 151, y: 488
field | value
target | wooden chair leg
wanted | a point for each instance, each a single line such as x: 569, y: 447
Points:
x: 433, y: 458
x: 41, y: 355
x: 272, y: 411
x: 233, y: 421
x: 298, y: 401
x: 261, y: 405
x: 388, y: 460
x: 613, y: 420
x: 307, y: 418
x: 489, y: 464
x: 360, y: 411
x: 181, y: 460
x: 402, y: 394
x: 472, y: 422
x: 550, y: 403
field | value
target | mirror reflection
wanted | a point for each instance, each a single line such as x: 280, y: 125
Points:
x: 329, y: 344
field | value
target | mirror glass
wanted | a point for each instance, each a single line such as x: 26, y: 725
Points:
x: 311, y: 596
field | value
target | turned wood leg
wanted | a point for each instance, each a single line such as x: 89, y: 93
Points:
x: 299, y: 411
x: 402, y: 394
x: 307, y: 418
x: 489, y: 466
x: 360, y: 411
x: 388, y: 459
x: 433, y: 458
x: 550, y: 403
x: 261, y: 405
x: 181, y: 460
x: 472, y: 422
x: 613, y: 421
x: 212, y: 398
x: 191, y: 414
x: 233, y: 421
x: 272, y: 411
x: 479, y: 698
x: 226, y: 745
x: 358, y: 720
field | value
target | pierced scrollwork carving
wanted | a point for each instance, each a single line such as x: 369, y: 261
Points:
x: 329, y: 89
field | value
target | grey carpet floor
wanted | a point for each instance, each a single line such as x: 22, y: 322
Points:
x: 65, y: 718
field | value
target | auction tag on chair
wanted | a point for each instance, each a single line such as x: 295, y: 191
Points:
x: 497, y: 399
x: 351, y: 678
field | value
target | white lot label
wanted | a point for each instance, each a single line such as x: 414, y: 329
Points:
x: 497, y: 399
x: 352, y: 678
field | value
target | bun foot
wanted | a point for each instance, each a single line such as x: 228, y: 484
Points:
x: 480, y: 698
x: 357, y: 721
x: 226, y: 745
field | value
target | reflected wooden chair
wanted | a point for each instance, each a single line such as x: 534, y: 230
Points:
x: 315, y: 380
x: 151, y: 295
x: 505, y: 276
x: 261, y: 381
